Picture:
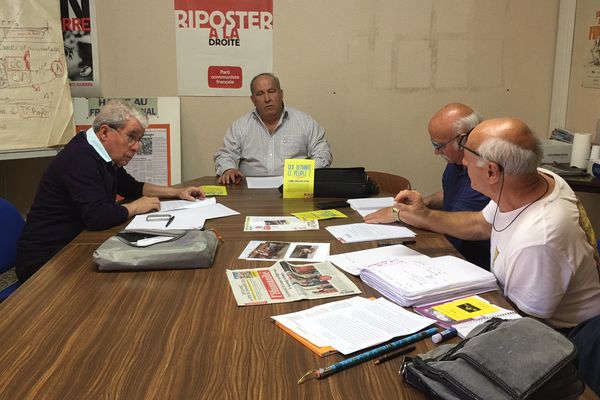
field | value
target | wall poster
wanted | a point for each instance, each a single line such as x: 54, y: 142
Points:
x: 222, y: 45
x: 35, y: 102
x: 591, y: 76
x: 80, y: 37
x: 158, y: 160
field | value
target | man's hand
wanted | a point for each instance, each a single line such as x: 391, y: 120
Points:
x: 383, y: 216
x: 232, y: 175
x: 411, y: 208
x: 190, y: 193
x: 142, y: 205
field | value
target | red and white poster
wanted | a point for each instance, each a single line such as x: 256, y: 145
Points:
x: 80, y: 37
x: 222, y: 45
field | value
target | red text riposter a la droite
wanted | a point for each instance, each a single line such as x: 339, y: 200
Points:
x: 221, y: 45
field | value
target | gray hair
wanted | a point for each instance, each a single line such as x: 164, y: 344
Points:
x: 466, y: 123
x: 276, y: 79
x: 116, y: 113
x: 515, y: 159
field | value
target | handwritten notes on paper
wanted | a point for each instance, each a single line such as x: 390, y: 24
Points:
x: 35, y: 101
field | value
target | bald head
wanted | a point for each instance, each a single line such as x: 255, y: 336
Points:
x: 445, y: 120
x: 446, y: 125
x: 508, y: 142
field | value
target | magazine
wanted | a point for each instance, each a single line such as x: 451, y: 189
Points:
x: 284, y: 282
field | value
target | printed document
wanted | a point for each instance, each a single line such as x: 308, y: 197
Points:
x: 274, y: 251
x: 361, y: 232
x: 354, y: 324
x: 269, y: 224
x: 170, y: 205
x: 185, y: 218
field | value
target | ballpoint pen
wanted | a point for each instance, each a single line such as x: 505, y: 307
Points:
x: 171, y: 218
x: 367, y: 355
x: 395, y: 354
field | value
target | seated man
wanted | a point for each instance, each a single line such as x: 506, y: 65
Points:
x: 258, y: 143
x: 543, y: 250
x: 445, y: 127
x: 78, y: 190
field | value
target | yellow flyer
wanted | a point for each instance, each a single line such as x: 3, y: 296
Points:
x: 211, y: 190
x: 466, y: 308
x: 298, y: 178
x: 317, y: 215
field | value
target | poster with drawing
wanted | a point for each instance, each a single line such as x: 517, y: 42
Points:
x: 35, y: 102
x: 80, y: 38
x: 221, y: 45
x: 591, y: 76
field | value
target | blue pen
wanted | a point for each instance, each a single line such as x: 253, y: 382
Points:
x: 367, y: 355
x: 447, y: 334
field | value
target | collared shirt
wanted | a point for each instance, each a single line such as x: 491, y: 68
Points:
x: 249, y: 147
x: 93, y: 140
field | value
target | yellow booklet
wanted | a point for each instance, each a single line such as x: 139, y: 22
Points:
x: 212, y: 190
x: 466, y: 308
x: 298, y: 178
x: 320, y: 214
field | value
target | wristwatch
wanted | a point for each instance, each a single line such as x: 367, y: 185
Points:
x: 395, y: 213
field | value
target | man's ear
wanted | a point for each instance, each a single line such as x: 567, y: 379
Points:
x: 102, y: 133
x: 494, y: 171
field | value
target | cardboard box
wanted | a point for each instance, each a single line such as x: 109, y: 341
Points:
x: 555, y: 151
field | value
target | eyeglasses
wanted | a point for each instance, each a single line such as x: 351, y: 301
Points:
x: 131, y: 138
x: 439, y: 146
x: 461, y: 145
x: 168, y: 218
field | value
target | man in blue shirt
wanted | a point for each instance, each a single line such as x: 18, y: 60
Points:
x: 78, y: 190
x: 445, y: 127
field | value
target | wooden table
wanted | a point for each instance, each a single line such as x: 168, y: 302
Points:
x: 71, y: 332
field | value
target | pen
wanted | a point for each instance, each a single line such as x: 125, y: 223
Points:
x: 394, y: 354
x: 366, y: 356
x: 447, y: 334
x: 382, y: 244
x: 171, y: 218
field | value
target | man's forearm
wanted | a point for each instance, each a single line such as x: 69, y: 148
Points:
x: 466, y: 225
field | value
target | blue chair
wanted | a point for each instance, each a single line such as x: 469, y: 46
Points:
x: 11, y: 224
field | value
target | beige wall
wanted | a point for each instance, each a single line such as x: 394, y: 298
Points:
x: 584, y: 103
x: 371, y: 72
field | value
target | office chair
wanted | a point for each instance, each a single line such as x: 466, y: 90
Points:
x: 12, y: 224
x: 389, y: 182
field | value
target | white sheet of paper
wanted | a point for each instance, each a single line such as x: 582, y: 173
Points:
x: 356, y: 326
x: 186, y: 218
x: 355, y: 261
x: 264, y: 182
x: 369, y: 205
x: 170, y: 205
x: 361, y: 232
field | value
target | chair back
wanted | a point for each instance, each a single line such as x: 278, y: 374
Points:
x: 11, y: 224
x: 388, y: 182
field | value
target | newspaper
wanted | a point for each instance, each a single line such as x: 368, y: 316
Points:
x: 284, y: 282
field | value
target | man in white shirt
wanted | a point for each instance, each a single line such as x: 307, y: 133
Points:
x: 258, y: 143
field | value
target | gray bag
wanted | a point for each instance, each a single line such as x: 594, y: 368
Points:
x: 185, y: 250
x: 514, y: 359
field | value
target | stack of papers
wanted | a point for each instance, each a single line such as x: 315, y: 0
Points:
x: 356, y: 261
x: 369, y: 205
x: 423, y: 281
x: 353, y: 324
x: 361, y: 232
